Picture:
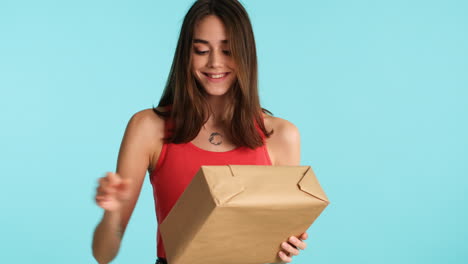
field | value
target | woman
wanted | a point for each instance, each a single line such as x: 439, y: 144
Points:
x: 209, y: 114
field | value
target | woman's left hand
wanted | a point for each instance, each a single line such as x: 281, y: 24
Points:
x: 288, y: 250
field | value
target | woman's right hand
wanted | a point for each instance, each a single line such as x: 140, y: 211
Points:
x: 112, y: 191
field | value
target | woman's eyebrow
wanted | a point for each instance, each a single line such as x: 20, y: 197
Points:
x: 207, y: 42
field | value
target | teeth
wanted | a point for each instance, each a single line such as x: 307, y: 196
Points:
x: 217, y: 76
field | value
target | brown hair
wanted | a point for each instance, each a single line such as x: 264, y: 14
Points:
x: 188, y: 108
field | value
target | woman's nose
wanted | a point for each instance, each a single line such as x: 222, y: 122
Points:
x: 215, y: 59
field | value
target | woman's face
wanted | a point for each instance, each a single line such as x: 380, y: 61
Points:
x: 212, y: 63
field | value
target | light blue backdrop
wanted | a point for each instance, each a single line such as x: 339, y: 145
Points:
x: 378, y: 90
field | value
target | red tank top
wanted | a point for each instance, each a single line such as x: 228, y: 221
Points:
x: 178, y: 163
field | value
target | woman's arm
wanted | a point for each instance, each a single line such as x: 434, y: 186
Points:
x: 118, y: 192
x: 284, y: 149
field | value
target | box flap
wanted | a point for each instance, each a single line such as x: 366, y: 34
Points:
x: 224, y: 186
x: 310, y: 185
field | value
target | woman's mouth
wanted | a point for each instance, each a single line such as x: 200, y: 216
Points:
x: 216, y: 77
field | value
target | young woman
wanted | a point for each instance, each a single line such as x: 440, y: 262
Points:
x: 209, y: 114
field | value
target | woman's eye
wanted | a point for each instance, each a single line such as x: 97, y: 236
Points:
x: 201, y: 52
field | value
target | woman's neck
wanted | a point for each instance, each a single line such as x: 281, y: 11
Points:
x: 217, y: 105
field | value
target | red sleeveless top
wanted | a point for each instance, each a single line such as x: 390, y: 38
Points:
x: 178, y: 163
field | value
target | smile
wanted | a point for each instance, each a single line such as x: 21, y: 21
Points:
x: 217, y: 76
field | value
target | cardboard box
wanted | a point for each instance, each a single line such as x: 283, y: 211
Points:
x: 240, y: 214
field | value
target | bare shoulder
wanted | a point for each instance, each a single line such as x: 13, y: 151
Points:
x: 284, y: 144
x: 147, y: 121
x: 146, y: 130
x: 283, y: 129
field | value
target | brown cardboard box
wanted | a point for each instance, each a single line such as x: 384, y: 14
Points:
x: 240, y: 214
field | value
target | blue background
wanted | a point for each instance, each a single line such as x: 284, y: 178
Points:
x: 378, y: 90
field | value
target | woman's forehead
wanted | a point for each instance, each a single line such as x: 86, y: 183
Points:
x: 204, y: 41
x: 210, y: 30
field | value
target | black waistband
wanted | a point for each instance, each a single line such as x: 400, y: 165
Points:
x: 161, y: 261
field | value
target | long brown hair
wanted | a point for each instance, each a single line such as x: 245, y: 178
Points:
x: 189, y: 109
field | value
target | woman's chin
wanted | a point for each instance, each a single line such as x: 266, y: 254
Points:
x: 218, y: 92
x: 216, y: 95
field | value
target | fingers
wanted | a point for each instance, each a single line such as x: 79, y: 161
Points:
x: 297, y: 243
x: 107, y: 187
x: 289, y: 249
x: 112, y: 190
x: 292, y: 246
x: 114, y: 179
x: 284, y: 257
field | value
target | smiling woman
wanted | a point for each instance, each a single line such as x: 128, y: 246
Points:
x: 215, y: 64
x: 212, y: 63
x: 209, y: 114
